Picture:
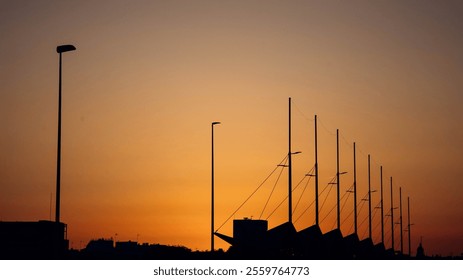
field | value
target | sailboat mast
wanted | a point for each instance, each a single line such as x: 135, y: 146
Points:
x: 392, y: 219
x: 290, y: 206
x: 409, y: 227
x: 355, y: 192
x: 316, y: 174
x: 401, y: 224
x: 337, y: 179
x: 369, y: 199
x: 382, y: 204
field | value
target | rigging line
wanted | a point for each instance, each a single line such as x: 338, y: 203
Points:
x: 377, y: 225
x: 388, y: 240
x: 271, y: 193
x: 308, y: 207
x: 366, y: 217
x: 347, y: 198
x: 334, y: 224
x: 305, y: 187
x: 372, y: 217
x: 273, y: 171
x: 342, y: 208
x: 326, y: 197
x: 325, y: 188
x: 365, y: 231
x: 324, y: 126
x: 299, y: 110
x: 278, y: 206
x: 343, y: 204
x: 328, y: 213
x: 350, y: 144
x: 361, y: 204
x: 351, y: 227
x: 347, y: 217
x: 300, y: 197
x: 303, y: 212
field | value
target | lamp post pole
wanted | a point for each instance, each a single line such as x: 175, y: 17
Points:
x: 60, y: 50
x: 212, y: 189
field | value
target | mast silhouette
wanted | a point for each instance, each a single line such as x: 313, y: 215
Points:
x: 316, y: 174
x: 355, y: 192
x: 212, y: 185
x: 369, y: 199
x: 382, y: 204
x: 392, y: 219
x: 401, y: 228
x: 409, y: 227
x: 337, y: 179
x: 290, y: 189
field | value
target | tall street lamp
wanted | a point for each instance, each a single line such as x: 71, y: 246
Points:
x: 60, y: 49
x: 212, y: 192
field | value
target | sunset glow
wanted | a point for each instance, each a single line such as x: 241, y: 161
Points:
x: 149, y: 77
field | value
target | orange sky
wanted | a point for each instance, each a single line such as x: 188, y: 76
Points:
x: 149, y: 77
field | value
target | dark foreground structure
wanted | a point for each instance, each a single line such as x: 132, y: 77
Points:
x: 253, y: 240
x: 33, y: 240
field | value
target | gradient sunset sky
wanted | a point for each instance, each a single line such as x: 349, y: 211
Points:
x: 149, y: 77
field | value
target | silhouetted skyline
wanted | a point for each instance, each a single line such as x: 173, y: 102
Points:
x: 148, y: 79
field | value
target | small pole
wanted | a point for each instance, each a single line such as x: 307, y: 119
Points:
x: 58, y: 171
x: 316, y: 174
x: 369, y: 200
x: 212, y: 193
x: 355, y: 192
x: 409, y: 228
x: 401, y: 225
x: 212, y: 187
x: 392, y: 219
x: 382, y: 205
x: 337, y: 179
x: 290, y: 189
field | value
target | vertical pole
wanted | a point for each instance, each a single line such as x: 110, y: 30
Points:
x: 369, y: 199
x: 290, y: 190
x: 316, y: 174
x: 401, y: 225
x: 355, y: 192
x: 58, y: 170
x: 212, y: 192
x: 392, y: 220
x: 212, y: 186
x: 409, y: 227
x: 51, y: 202
x: 337, y: 179
x: 382, y: 205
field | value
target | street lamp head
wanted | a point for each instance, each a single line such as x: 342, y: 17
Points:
x: 214, y: 123
x: 65, y: 48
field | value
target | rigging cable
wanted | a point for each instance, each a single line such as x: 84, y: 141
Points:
x: 249, y: 197
x: 271, y: 193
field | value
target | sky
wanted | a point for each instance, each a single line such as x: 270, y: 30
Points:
x: 149, y: 77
